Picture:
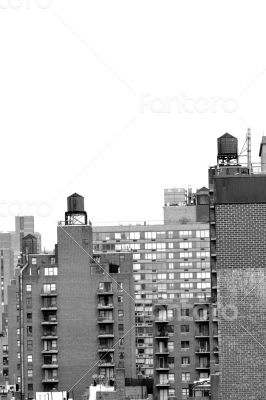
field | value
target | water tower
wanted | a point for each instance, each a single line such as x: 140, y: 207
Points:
x: 227, y: 150
x: 75, y: 214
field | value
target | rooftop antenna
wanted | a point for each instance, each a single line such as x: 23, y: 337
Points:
x: 249, y: 150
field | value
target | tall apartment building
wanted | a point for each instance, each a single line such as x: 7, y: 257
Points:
x: 170, y: 261
x: 238, y: 259
x: 10, y: 248
x: 71, y: 316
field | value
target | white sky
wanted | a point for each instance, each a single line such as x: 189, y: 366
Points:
x: 116, y: 100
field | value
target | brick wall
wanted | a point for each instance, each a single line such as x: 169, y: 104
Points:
x: 241, y: 283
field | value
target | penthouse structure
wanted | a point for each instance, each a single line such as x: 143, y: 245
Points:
x: 71, y: 314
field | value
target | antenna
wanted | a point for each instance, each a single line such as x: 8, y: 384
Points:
x: 249, y: 150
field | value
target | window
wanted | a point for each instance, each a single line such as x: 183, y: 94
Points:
x: 203, y: 275
x: 184, y: 344
x: 185, y: 377
x: 171, y: 392
x: 160, y: 246
x: 29, y: 317
x: 18, y: 343
x: 202, y: 254
x: 203, y: 285
x: 185, y: 392
x: 171, y: 265
x: 171, y: 276
x: 28, y: 288
x: 186, y: 264
x: 170, y: 255
x: 29, y: 330
x: 121, y: 327
x: 171, y: 346
x: 50, y: 271
x: 186, y: 275
x: 49, y: 287
x: 184, y: 312
x: 170, y: 245
x: 18, y: 331
x: 150, y: 235
x: 136, y: 267
x: 171, y: 377
x: 119, y: 286
x: 185, y: 360
x: 161, y: 276
x: 30, y: 373
x: 150, y: 246
x: 185, y: 233
x: 186, y: 255
x: 120, y: 299
x: 202, y: 234
x: 185, y: 245
x: 134, y: 235
x: 184, y: 328
x: 170, y: 234
x: 29, y: 345
x: 34, y: 261
x: 136, y: 256
x: 52, y: 260
x: 118, y: 236
x: 29, y: 358
x: 30, y: 387
x: 186, y: 285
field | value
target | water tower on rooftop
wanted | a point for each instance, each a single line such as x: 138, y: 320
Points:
x: 227, y: 150
x: 75, y: 214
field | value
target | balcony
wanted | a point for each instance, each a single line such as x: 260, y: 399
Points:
x: 162, y: 352
x: 108, y: 306
x: 50, y: 351
x: 102, y: 335
x: 163, y: 384
x: 162, y: 335
x: 51, y: 365
x: 50, y: 380
x: 202, y: 319
x: 202, y: 350
x: 49, y: 335
x: 162, y: 368
x: 52, y: 307
x: 105, y: 320
x: 106, y: 364
x: 161, y: 320
x: 203, y: 366
x: 105, y: 349
x: 48, y: 293
x: 51, y: 320
x: 105, y: 290
x: 202, y: 334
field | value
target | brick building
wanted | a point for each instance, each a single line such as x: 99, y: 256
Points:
x: 71, y: 315
x: 238, y: 252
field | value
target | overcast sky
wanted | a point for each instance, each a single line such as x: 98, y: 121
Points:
x: 117, y: 100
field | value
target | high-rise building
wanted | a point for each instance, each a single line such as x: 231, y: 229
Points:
x: 171, y: 264
x: 71, y: 315
x: 10, y: 248
x: 238, y: 260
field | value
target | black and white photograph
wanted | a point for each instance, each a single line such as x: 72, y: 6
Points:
x: 133, y: 200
